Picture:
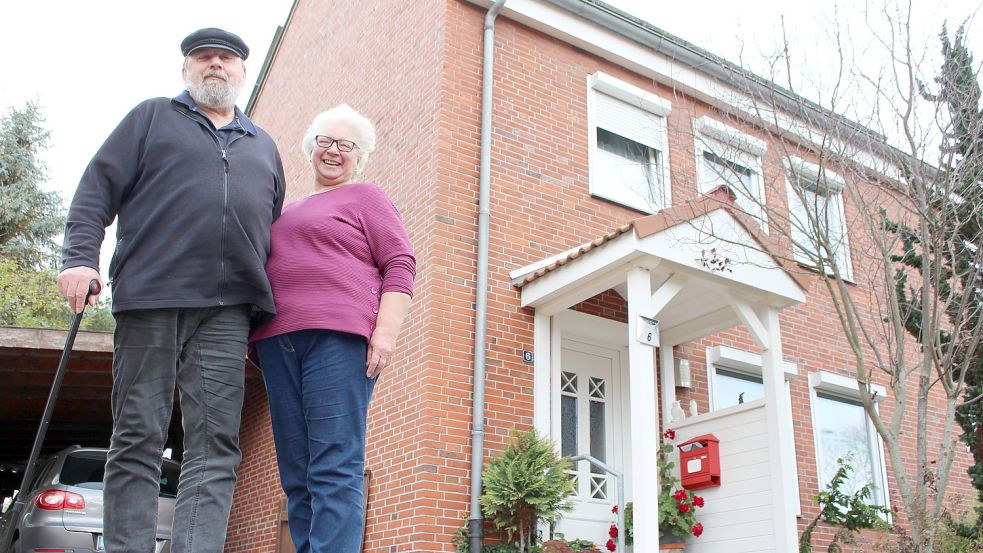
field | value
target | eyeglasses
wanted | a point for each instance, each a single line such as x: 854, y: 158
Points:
x: 343, y: 145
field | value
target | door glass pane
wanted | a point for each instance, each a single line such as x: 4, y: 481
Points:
x: 597, y: 436
x: 597, y: 388
x: 731, y: 388
x: 568, y: 382
x: 568, y: 425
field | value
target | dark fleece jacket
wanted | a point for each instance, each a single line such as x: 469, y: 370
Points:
x: 194, y: 219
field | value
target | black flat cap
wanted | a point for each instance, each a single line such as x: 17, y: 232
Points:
x: 214, y: 38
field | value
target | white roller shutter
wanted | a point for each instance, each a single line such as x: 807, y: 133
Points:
x: 630, y: 122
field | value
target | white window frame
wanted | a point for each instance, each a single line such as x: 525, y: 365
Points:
x: 835, y: 385
x: 747, y: 363
x: 802, y: 173
x: 739, y: 148
x: 640, y: 103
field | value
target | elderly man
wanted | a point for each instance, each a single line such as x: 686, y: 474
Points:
x: 195, y: 186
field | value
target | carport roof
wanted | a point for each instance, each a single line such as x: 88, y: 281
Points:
x: 28, y: 361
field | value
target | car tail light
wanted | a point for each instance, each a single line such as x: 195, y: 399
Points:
x: 55, y: 500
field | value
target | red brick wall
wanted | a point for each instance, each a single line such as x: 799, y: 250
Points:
x: 384, y: 59
x: 414, y: 68
x: 255, y: 510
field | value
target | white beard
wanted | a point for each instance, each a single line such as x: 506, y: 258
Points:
x: 211, y: 93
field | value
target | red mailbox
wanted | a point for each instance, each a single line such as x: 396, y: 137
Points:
x: 699, y: 462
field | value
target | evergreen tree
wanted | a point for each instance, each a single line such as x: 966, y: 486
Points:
x: 30, y: 219
x: 958, y: 270
x: 961, y: 91
x: 29, y: 216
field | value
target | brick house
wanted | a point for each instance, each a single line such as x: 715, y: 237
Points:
x: 576, y: 252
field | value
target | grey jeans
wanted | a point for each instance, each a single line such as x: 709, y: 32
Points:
x: 200, y: 351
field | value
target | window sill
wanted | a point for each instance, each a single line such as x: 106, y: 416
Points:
x: 847, y: 279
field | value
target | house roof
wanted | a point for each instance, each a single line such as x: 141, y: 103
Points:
x: 702, y: 60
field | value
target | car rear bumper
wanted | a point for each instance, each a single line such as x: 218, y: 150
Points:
x: 58, y: 540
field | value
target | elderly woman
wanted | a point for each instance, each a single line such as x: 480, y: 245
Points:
x: 342, y: 271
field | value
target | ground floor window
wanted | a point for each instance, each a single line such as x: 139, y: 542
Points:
x: 733, y: 388
x: 844, y: 431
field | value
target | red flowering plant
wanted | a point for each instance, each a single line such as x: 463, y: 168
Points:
x: 611, y: 544
x: 677, y: 507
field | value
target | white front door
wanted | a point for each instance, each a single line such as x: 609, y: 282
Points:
x: 589, y: 383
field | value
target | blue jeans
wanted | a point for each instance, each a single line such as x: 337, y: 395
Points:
x: 201, y: 352
x: 319, y: 400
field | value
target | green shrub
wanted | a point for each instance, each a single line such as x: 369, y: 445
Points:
x: 849, y: 511
x: 525, y: 485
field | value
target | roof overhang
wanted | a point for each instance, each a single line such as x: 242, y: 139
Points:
x: 705, y: 262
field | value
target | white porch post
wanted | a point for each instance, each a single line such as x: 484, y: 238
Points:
x: 644, y: 422
x: 542, y: 362
x: 779, y: 429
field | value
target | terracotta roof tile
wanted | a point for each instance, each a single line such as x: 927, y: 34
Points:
x: 576, y: 253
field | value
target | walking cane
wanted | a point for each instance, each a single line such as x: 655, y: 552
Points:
x: 18, y: 507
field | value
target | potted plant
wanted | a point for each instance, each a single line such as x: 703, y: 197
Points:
x: 677, y: 506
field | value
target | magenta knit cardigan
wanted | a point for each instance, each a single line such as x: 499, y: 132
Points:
x: 332, y: 255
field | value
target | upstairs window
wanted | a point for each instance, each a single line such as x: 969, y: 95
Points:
x: 628, y: 162
x: 818, y: 224
x: 727, y: 156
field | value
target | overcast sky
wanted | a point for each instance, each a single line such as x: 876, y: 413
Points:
x: 88, y: 63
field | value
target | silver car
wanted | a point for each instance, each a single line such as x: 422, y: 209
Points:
x: 64, y: 511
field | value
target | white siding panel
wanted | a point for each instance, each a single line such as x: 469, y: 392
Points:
x: 756, y: 469
x: 728, y: 518
x: 721, y: 533
x: 740, y: 446
x: 752, y: 544
x: 737, y: 517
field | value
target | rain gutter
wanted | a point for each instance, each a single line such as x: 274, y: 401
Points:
x: 476, y: 518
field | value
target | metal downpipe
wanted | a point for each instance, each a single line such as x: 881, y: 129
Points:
x: 476, y: 519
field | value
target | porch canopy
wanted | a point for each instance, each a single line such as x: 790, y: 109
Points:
x: 698, y: 268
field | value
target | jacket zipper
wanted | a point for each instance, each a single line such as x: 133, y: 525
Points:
x: 225, y: 200
x: 225, y: 211
x: 225, y: 214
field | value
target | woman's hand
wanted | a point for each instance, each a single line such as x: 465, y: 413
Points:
x: 392, y: 310
x: 380, y: 354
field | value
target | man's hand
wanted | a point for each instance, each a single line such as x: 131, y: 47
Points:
x: 73, y: 283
